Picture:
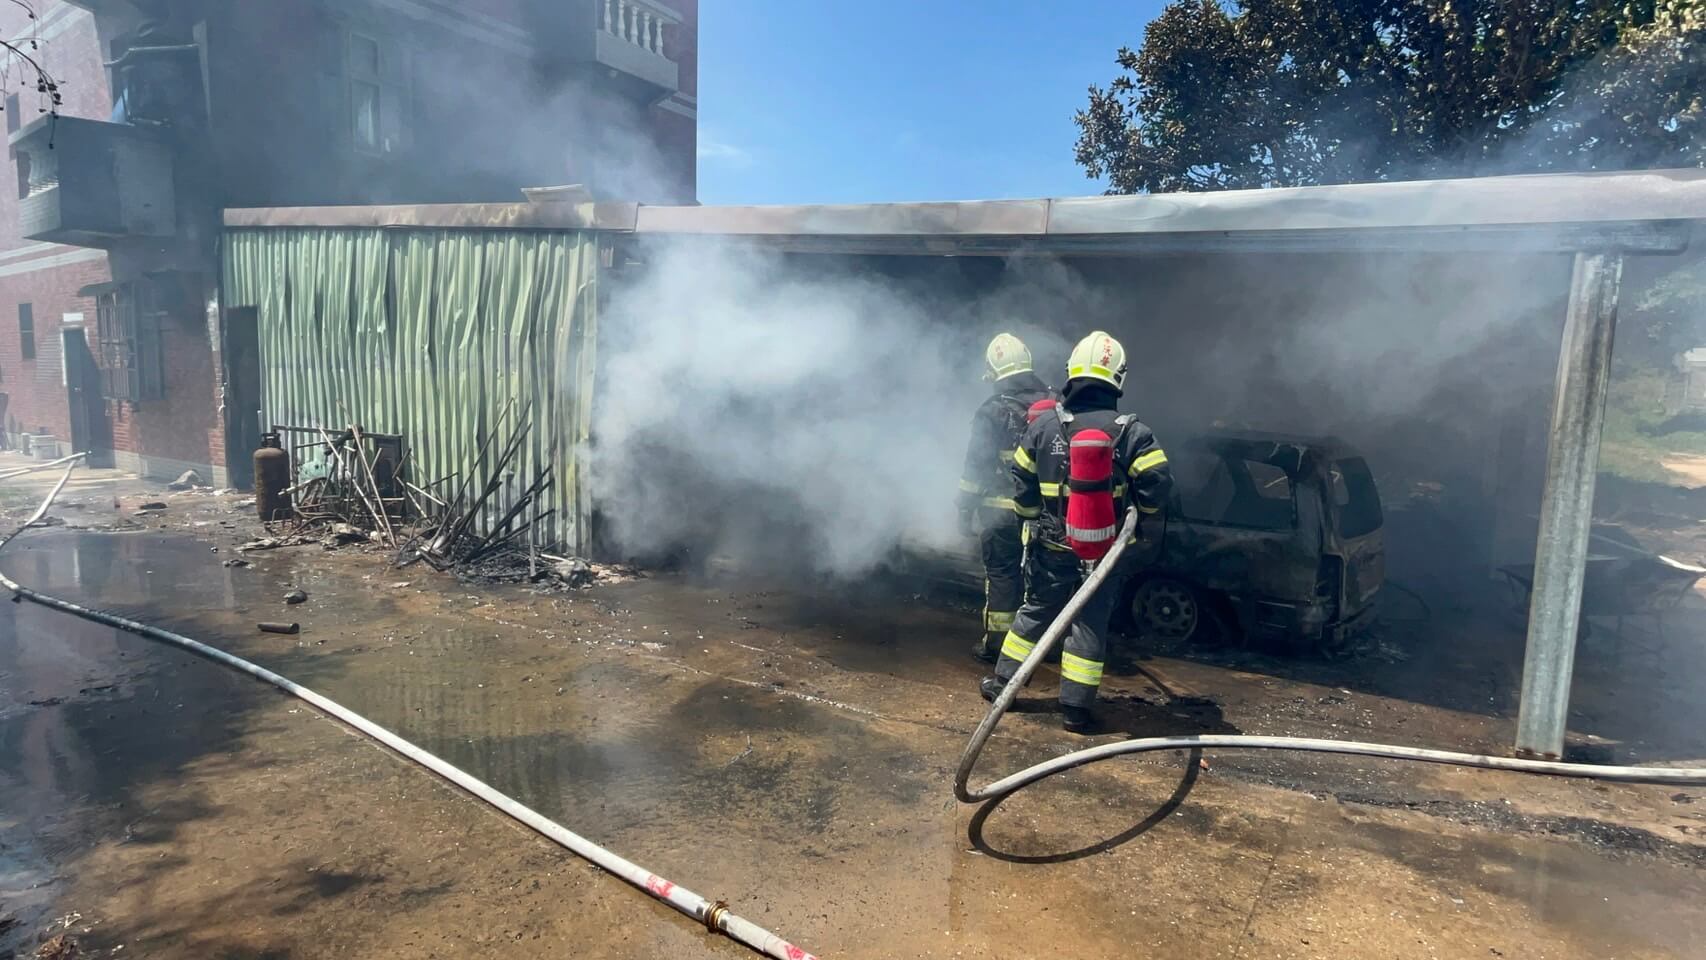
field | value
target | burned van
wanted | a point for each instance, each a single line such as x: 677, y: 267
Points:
x: 1276, y: 537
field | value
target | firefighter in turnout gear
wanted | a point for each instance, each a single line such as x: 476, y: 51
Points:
x: 1043, y: 466
x: 986, y: 485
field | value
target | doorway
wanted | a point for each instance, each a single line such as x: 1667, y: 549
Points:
x: 242, y: 350
x: 91, y: 431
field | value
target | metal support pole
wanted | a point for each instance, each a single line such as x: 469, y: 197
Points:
x: 1566, y: 508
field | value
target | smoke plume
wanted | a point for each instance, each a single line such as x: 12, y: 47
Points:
x: 811, y: 412
x: 789, y: 412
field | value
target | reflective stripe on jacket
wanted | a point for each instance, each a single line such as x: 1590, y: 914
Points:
x: 996, y: 428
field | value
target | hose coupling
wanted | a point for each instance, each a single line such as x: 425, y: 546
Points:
x: 714, y: 916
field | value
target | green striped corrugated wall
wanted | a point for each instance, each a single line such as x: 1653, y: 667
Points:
x: 432, y: 334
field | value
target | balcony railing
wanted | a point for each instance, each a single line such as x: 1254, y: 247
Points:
x: 640, y: 24
x: 630, y: 40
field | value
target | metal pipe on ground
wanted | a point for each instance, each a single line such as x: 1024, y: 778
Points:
x: 715, y: 916
x: 1000, y: 788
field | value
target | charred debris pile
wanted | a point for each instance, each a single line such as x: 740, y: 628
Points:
x: 356, y: 487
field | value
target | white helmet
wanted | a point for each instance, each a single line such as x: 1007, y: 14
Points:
x: 1098, y: 357
x: 1005, y: 356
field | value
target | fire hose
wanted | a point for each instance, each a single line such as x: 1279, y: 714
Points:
x: 715, y: 916
x: 1100, y: 575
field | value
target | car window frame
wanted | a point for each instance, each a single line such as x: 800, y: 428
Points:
x: 1235, y: 462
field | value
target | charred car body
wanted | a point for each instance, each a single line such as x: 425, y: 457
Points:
x: 1275, y: 537
x: 1283, y: 535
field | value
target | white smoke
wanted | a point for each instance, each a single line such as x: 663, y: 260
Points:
x: 783, y: 411
x: 812, y: 411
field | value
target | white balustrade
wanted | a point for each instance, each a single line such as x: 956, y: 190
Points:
x: 634, y: 22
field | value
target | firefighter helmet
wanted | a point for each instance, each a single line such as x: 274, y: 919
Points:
x: 1005, y: 356
x: 1098, y: 357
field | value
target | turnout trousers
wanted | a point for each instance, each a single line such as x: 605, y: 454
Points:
x: 1003, y: 573
x: 1054, y: 576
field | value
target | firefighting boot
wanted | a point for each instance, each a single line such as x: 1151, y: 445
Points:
x: 991, y: 687
x: 988, y: 647
x: 1080, y: 720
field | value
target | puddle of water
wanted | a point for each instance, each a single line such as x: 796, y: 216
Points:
x: 563, y: 732
x: 86, y: 713
x: 1612, y: 906
x: 27, y: 886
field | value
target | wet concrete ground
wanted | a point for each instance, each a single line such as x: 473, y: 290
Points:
x: 789, y: 752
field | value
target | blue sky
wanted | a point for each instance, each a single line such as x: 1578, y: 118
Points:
x: 854, y: 101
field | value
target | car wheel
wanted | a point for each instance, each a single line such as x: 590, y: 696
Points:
x: 1170, y: 610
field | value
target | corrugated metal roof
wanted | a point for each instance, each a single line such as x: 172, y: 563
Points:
x: 1637, y: 210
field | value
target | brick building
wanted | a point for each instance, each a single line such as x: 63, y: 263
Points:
x: 112, y: 339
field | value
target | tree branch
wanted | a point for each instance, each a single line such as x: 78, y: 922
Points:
x: 46, y: 85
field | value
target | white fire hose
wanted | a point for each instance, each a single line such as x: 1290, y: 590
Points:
x: 715, y: 916
x: 32, y: 468
x: 1031, y: 774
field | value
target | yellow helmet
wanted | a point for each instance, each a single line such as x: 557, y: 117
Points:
x: 1098, y: 357
x: 1005, y: 356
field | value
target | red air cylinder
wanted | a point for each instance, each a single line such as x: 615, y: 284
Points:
x: 1038, y: 409
x: 1090, y: 507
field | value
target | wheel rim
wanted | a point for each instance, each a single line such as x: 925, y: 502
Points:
x: 1167, y: 609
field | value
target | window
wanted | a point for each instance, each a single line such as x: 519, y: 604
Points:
x: 374, y: 96
x: 1264, y: 497
x: 1270, y: 481
x: 364, y: 100
x: 127, y: 328
x: 1201, y: 483
x: 14, y: 118
x: 1357, y: 498
x: 364, y: 56
x: 366, y: 96
x: 27, y: 331
x: 1227, y: 489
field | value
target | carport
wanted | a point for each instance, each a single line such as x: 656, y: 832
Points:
x: 1599, y: 219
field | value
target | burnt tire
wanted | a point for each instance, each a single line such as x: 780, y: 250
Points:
x: 1168, y: 610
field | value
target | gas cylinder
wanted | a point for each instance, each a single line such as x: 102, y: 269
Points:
x: 272, y: 479
x: 1090, y: 506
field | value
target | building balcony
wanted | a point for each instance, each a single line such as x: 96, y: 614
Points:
x: 623, y: 41
x: 91, y: 183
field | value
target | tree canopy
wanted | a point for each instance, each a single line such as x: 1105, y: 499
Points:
x: 1295, y: 92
